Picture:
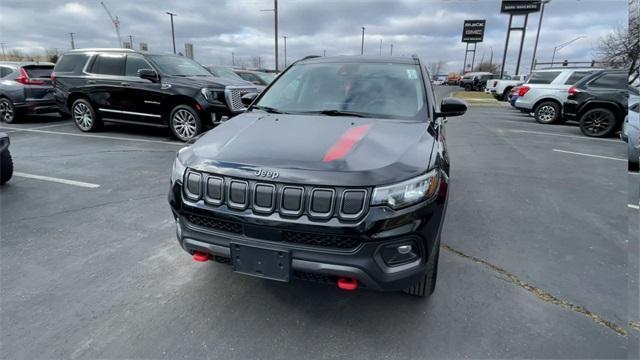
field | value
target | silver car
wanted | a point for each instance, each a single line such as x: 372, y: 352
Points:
x: 546, y: 91
x: 631, y: 132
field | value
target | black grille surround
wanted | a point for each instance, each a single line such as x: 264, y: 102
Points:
x: 287, y: 236
x: 318, y: 203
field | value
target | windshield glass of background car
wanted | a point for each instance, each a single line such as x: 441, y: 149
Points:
x: 543, y: 77
x: 266, y: 77
x: 178, y: 66
x: 374, y: 89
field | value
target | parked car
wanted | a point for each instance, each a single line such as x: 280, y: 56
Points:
x: 126, y: 86
x: 545, y: 92
x: 500, y: 89
x: 631, y: 133
x: 256, y: 77
x: 25, y: 88
x: 6, y: 163
x: 476, y: 81
x: 453, y: 78
x: 599, y: 102
x: 328, y: 204
x: 513, y: 96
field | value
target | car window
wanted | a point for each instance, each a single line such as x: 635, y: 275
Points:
x: 635, y: 107
x: 577, y: 76
x: 4, y: 71
x: 135, y: 63
x: 543, y: 77
x: 616, y: 80
x: 178, y: 66
x: 39, y: 71
x: 249, y: 77
x: 108, y: 64
x: 370, y: 89
x: 71, y: 63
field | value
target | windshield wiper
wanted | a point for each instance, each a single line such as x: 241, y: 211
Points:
x: 268, y: 109
x: 335, y: 112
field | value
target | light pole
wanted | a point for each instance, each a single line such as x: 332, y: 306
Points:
x: 559, y: 47
x: 3, y: 54
x: 275, y: 26
x: 233, y: 59
x: 173, y: 33
x: 73, y: 44
x: 535, y: 46
x: 391, y: 51
x: 362, y: 45
x: 131, y: 41
x: 380, y: 47
x: 285, y: 50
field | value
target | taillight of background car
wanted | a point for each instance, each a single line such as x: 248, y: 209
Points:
x: 523, y: 90
x: 24, y: 79
x: 53, y: 78
x: 573, y: 90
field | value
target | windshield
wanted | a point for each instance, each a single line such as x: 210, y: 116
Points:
x: 266, y: 77
x: 370, y: 89
x: 178, y: 66
x: 224, y: 72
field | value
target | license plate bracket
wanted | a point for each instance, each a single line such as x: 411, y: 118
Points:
x: 261, y: 262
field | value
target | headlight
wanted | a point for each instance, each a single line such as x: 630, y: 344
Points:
x: 212, y: 95
x: 407, y: 192
x: 177, y: 172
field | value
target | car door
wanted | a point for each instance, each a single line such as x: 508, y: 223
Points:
x: 105, y: 85
x: 145, y: 101
x: 611, y: 87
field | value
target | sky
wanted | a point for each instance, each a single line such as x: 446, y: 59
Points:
x: 429, y: 28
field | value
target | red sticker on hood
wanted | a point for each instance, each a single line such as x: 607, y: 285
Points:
x: 346, y: 142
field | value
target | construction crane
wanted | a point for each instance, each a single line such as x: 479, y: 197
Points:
x: 115, y: 21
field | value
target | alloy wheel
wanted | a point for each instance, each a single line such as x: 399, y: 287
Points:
x: 184, y: 123
x: 6, y: 111
x: 82, y: 116
x: 547, y: 113
x: 596, y: 123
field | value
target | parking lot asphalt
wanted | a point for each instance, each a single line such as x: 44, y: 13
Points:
x: 538, y: 257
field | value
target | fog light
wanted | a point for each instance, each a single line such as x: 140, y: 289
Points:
x: 399, y: 254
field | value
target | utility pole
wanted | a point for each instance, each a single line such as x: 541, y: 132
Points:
x: 233, y: 59
x: 3, y: 53
x: 173, y: 33
x: 535, y: 46
x: 391, y: 50
x: 380, y: 47
x: 73, y: 44
x: 285, y: 50
x: 362, y: 46
x: 131, y: 41
x: 324, y: 52
x: 491, y: 58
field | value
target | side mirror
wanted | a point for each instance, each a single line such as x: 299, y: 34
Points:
x: 247, y: 99
x: 149, y: 74
x: 452, y: 107
x: 256, y: 82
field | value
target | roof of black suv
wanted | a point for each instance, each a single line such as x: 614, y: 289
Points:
x: 119, y: 50
x: 359, y: 59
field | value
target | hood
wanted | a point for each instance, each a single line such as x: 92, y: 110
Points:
x: 208, y: 81
x: 314, y: 150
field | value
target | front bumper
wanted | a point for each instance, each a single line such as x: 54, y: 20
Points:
x: 419, y: 224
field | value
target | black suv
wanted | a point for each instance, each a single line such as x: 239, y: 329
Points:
x: 122, y: 85
x: 599, y: 102
x: 337, y: 173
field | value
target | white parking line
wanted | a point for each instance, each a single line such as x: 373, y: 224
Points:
x: 589, y: 155
x: 632, y: 206
x: 95, y: 136
x: 562, y: 135
x: 57, y: 180
x: 34, y: 128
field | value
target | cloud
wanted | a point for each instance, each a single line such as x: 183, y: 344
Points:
x: 429, y: 28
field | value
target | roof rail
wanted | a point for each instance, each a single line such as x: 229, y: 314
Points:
x: 576, y: 64
x: 103, y: 49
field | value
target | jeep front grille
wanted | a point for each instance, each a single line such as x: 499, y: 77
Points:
x: 234, y: 94
x: 319, y: 203
x: 287, y: 236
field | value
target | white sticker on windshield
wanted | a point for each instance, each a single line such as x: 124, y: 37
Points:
x: 412, y: 74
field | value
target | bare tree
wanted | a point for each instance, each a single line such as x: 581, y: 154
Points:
x: 487, y: 67
x: 436, y: 67
x: 622, y: 46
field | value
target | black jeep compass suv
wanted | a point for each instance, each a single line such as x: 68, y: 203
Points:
x: 125, y: 86
x: 337, y: 173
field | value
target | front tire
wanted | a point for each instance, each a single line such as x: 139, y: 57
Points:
x: 84, y: 116
x: 7, y: 111
x: 427, y: 285
x: 547, y: 113
x: 598, y: 123
x: 6, y: 166
x: 185, y: 123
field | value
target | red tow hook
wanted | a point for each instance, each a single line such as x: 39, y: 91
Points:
x: 201, y: 256
x: 347, y: 284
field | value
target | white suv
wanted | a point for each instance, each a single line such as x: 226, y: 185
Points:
x: 546, y: 90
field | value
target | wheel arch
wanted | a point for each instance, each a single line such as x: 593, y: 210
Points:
x: 547, y: 99
x: 176, y: 100
x: 615, y: 108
